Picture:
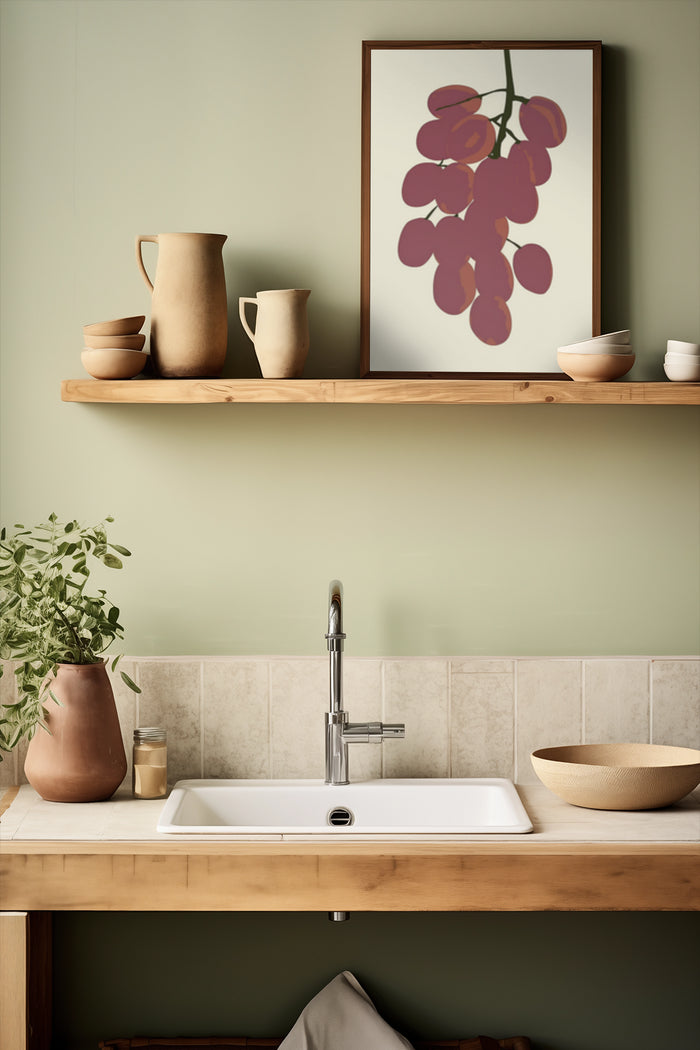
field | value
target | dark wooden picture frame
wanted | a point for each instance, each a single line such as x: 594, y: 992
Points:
x: 432, y: 151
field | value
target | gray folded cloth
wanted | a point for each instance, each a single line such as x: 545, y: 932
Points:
x: 342, y: 1017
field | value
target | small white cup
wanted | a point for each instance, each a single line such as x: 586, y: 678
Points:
x: 677, y: 346
x: 682, y: 368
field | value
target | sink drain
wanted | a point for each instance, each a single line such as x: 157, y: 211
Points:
x: 340, y: 817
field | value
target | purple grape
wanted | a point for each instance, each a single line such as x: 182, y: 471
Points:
x: 416, y: 242
x: 522, y: 202
x: 450, y: 244
x: 492, y: 185
x: 534, y: 159
x: 490, y: 320
x: 421, y: 184
x: 455, y: 189
x: 533, y: 268
x: 471, y: 139
x: 483, y: 233
x: 453, y: 289
x: 503, y: 187
x: 431, y: 139
x: 494, y: 276
x: 451, y: 102
x: 543, y: 121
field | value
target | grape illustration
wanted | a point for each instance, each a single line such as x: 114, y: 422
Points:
x: 479, y: 175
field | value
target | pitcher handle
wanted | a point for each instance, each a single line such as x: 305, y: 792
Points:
x: 139, y: 259
x: 241, y: 312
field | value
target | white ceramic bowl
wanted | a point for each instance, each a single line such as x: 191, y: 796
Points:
x: 112, y: 363
x: 595, y: 368
x: 682, y: 368
x: 588, y: 346
x: 613, y: 337
x: 677, y: 346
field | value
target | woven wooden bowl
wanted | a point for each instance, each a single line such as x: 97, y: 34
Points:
x: 618, y: 776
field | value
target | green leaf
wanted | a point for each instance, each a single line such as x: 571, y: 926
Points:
x: 121, y: 550
x: 113, y: 615
x: 112, y: 562
x: 132, y: 685
x: 19, y: 554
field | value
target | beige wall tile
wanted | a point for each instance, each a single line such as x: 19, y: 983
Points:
x: 170, y: 697
x: 362, y: 695
x: 416, y: 692
x: 548, y: 709
x: 482, y: 712
x: 616, y: 701
x: 298, y: 701
x: 236, y: 718
x: 675, y: 690
x: 8, y: 694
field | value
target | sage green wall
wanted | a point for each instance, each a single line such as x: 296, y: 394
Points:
x: 545, y: 530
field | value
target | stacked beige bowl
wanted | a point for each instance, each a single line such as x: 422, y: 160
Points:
x: 114, y: 349
x: 599, y: 359
x: 682, y: 361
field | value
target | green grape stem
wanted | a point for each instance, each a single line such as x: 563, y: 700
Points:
x: 508, y: 106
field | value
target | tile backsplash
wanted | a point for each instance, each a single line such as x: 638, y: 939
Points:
x: 251, y: 717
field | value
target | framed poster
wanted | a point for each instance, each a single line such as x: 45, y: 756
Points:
x: 480, y: 206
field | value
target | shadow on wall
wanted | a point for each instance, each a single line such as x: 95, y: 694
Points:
x: 615, y: 179
x: 334, y: 329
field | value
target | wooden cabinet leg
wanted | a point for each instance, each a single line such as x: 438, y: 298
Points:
x: 25, y: 980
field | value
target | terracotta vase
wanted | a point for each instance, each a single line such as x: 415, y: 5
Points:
x: 82, y: 759
x: 281, y: 336
x: 189, y: 317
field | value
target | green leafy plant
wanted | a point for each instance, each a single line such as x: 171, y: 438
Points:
x: 46, y: 616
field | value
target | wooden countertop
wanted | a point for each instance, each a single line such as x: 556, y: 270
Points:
x: 108, y: 857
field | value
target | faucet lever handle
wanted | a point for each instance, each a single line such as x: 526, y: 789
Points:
x: 372, y: 732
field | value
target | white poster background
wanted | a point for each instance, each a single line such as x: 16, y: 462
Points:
x: 408, y: 332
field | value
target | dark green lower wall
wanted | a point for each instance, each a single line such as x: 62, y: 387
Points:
x: 569, y: 981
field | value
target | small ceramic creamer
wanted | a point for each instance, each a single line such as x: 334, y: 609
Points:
x: 281, y: 336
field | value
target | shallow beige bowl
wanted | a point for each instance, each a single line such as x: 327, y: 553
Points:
x: 113, y: 364
x: 594, y: 368
x: 120, y: 326
x: 115, y: 342
x: 618, y: 776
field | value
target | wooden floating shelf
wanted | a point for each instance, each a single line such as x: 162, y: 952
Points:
x: 376, y: 391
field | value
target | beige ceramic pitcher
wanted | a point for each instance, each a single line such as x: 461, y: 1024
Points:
x: 281, y: 336
x: 189, y: 320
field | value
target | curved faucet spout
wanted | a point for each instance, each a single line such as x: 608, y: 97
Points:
x: 335, y: 636
x: 339, y: 730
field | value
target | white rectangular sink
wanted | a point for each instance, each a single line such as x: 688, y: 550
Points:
x: 371, y: 807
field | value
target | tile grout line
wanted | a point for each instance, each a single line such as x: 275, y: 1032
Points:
x: 651, y: 701
x: 270, y: 764
x: 383, y: 716
x: 583, y: 702
x: 449, y: 718
x: 202, y: 720
x: 516, y: 664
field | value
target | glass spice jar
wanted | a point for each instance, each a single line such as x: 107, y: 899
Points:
x: 150, y: 763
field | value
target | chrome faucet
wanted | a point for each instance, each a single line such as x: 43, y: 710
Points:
x: 339, y: 731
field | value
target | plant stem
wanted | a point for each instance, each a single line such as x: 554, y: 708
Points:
x: 72, y: 630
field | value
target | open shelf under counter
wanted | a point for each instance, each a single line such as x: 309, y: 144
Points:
x: 376, y: 391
